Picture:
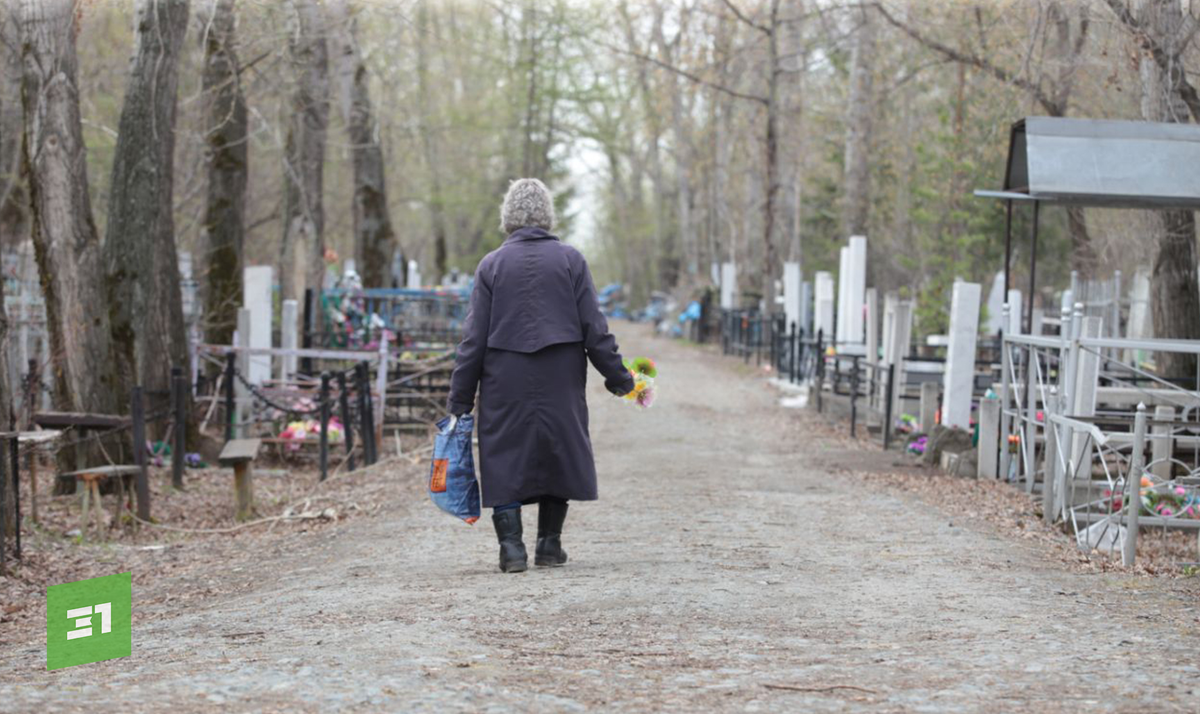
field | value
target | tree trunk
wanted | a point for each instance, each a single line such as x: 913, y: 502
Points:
x: 64, y: 235
x: 145, y: 304
x: 774, y: 225
x: 856, y: 206
x: 14, y: 202
x: 437, y: 215
x: 303, y: 248
x: 225, y: 210
x: 374, y: 239
x: 1175, y: 302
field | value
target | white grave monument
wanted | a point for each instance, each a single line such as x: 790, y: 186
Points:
x: 823, y: 308
x: 1015, y: 312
x: 852, y: 282
x: 960, y: 356
x: 728, y: 286
x: 995, y: 306
x: 289, y: 322
x: 414, y: 275
x: 792, y: 297
x: 843, y: 285
x: 256, y: 297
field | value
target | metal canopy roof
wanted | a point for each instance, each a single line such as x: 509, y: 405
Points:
x: 1095, y: 162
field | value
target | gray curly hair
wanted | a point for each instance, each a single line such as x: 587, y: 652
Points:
x: 527, y: 203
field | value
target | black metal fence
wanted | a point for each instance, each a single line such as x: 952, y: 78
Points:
x: 796, y: 357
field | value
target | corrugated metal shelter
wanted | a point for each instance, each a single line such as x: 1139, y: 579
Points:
x: 1096, y: 162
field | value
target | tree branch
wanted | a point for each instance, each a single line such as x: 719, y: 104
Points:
x: 975, y: 61
x: 688, y: 75
x: 741, y: 16
x: 1187, y: 92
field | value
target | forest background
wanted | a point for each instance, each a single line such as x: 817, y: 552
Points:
x: 676, y: 134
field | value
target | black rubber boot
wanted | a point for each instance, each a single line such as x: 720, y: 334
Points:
x: 551, y: 515
x: 512, y: 549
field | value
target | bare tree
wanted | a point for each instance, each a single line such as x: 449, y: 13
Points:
x: 1163, y: 31
x: 225, y: 207
x: 856, y: 199
x: 1052, y: 91
x: 374, y: 239
x: 64, y: 235
x: 303, y: 249
x: 144, y: 300
x: 429, y: 142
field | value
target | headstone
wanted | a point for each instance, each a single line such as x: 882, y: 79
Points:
x: 987, y: 461
x: 715, y: 273
x: 728, y: 286
x: 256, y: 297
x: 995, y: 306
x: 1039, y: 322
x: 857, y: 288
x: 792, y: 296
x: 897, y: 349
x: 843, y: 290
x: 929, y: 405
x: 288, y: 338
x: 1015, y: 312
x: 872, y: 315
x: 806, y: 307
x: 1139, y: 325
x: 1161, y: 444
x: 959, y: 379
x: 414, y: 275
x: 823, y: 309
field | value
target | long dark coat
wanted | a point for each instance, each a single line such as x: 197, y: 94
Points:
x: 533, y: 323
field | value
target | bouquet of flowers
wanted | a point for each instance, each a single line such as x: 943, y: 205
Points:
x: 644, y: 372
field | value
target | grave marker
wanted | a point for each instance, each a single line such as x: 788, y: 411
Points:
x: 959, y: 380
x: 823, y: 311
x: 256, y: 297
x: 728, y: 286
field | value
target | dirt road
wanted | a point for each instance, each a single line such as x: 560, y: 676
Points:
x: 729, y: 566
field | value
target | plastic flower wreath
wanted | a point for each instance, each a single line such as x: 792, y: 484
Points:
x: 644, y: 371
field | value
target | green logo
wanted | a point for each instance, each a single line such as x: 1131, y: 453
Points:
x: 89, y: 621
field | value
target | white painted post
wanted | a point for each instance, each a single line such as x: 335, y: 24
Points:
x: 1015, y: 313
x: 414, y: 275
x: 960, y: 356
x: 989, y: 439
x: 1133, y: 487
x: 1083, y: 396
x: 792, y: 295
x: 1050, y: 460
x: 901, y: 334
x: 728, y: 286
x: 872, y: 315
x: 289, y: 327
x: 241, y: 393
x: 843, y: 291
x: 823, y: 315
x: 1163, y: 446
x: 256, y: 297
x: 381, y: 383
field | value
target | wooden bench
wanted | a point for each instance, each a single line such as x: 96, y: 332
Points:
x: 122, y: 476
x: 240, y: 454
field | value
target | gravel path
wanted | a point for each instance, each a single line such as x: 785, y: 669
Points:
x: 731, y: 565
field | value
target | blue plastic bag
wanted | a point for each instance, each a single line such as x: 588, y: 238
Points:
x: 452, y: 484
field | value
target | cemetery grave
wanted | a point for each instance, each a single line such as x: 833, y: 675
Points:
x: 1065, y: 404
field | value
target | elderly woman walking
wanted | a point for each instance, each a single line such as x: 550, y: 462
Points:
x: 533, y: 324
